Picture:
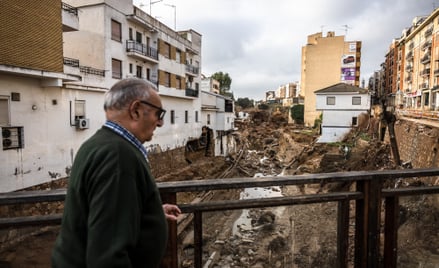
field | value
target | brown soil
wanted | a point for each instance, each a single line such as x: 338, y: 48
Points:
x: 296, y: 236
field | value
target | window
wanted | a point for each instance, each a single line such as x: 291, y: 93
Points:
x: 139, y: 71
x: 330, y: 100
x: 148, y: 74
x: 167, y: 50
x: 138, y: 37
x: 131, y: 68
x: 178, y: 56
x: 354, y: 121
x: 186, y: 116
x: 356, y: 100
x: 4, y: 111
x: 196, y: 116
x: 116, y: 31
x: 178, y: 82
x: 79, y: 109
x: 208, y: 119
x: 116, y: 68
x: 130, y: 33
x: 167, y: 80
x: 172, y: 117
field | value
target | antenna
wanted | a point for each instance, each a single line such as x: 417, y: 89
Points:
x: 346, y: 27
x: 321, y: 28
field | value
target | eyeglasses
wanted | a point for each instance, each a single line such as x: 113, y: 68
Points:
x: 160, y: 111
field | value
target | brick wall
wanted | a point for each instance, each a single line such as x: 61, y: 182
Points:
x: 31, y: 34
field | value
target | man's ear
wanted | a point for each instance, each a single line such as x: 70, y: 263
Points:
x: 134, y: 110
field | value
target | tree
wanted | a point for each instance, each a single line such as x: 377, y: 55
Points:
x: 224, y: 80
x: 297, y: 112
x: 245, y: 103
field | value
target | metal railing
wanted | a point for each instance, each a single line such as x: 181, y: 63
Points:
x: 368, y: 196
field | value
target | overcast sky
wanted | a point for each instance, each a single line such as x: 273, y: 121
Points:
x: 258, y: 42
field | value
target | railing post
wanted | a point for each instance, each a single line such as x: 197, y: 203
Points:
x: 171, y: 257
x: 391, y: 232
x: 361, y: 227
x: 342, y: 233
x: 367, y: 232
x: 198, y: 239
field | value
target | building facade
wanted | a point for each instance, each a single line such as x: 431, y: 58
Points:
x: 327, y: 60
x: 56, y: 62
x: 416, y: 55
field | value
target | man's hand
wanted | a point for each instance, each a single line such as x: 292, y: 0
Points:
x: 171, y: 211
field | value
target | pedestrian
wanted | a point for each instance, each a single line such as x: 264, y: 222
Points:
x: 113, y: 214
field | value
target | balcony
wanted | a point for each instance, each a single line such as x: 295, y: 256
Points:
x: 425, y: 72
x: 425, y: 59
x: 70, y: 20
x: 428, y: 32
x: 409, y: 56
x: 436, y: 72
x: 423, y: 86
x: 426, y: 45
x: 192, y: 69
x: 142, y: 51
x: 190, y: 92
x: 409, y: 68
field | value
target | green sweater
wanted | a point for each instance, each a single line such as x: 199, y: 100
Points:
x: 113, y: 215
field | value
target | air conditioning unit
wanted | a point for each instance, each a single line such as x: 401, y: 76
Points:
x: 82, y: 123
x: 12, y: 138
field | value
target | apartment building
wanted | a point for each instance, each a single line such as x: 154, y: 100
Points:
x: 37, y: 137
x: 417, y: 74
x: 327, y: 60
x: 56, y: 62
x: 123, y: 41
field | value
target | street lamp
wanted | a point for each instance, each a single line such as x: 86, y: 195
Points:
x: 175, y: 15
x: 152, y: 3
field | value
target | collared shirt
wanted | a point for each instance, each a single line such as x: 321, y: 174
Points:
x: 126, y: 135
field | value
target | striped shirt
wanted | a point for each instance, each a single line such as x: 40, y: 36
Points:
x: 120, y: 130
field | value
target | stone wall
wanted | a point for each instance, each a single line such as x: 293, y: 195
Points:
x: 417, y: 144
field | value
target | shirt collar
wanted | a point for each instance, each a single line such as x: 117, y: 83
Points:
x: 120, y: 130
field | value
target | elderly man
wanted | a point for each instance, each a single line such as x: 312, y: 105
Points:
x: 113, y: 215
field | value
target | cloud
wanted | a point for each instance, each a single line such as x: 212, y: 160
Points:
x: 258, y: 42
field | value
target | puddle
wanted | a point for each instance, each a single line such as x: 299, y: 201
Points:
x: 242, y: 225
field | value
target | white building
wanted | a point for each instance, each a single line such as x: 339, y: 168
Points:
x: 340, y: 104
x: 218, y: 114
x: 52, y: 82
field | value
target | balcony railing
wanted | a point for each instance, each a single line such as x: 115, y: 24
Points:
x: 368, y: 195
x: 71, y: 62
x: 91, y: 70
x: 192, y: 92
x: 69, y: 8
x: 142, y: 49
x: 425, y: 72
x: 192, y: 69
x: 425, y: 59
